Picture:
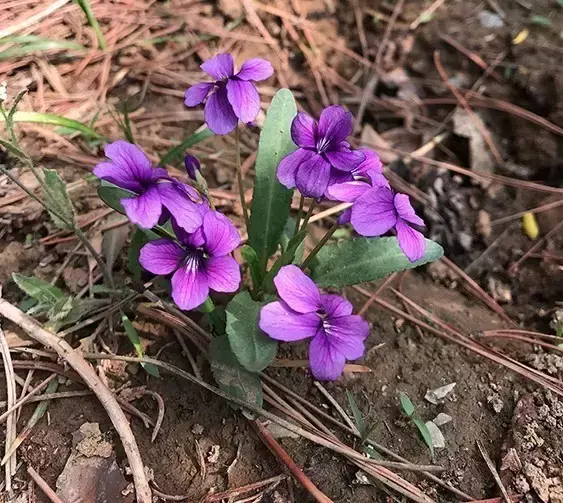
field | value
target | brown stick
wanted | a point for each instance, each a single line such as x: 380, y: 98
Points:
x: 283, y: 456
x: 85, y: 370
x: 43, y: 486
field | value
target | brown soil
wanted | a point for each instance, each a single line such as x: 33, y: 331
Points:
x: 489, y: 403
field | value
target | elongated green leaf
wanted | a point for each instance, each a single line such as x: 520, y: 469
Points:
x: 406, y: 404
x: 87, y: 9
x: 57, y: 200
x: 112, y: 195
x: 138, y: 240
x: 424, y: 433
x: 179, y: 150
x: 10, y: 147
x: 271, y: 200
x: 230, y: 375
x: 134, y: 338
x: 358, y: 419
x: 249, y: 256
x: 29, y: 44
x: 364, y: 259
x: 42, y: 291
x: 253, y: 348
x: 55, y: 120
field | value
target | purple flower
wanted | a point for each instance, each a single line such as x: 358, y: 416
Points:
x: 378, y: 210
x: 200, y: 262
x: 350, y: 186
x: 156, y: 194
x: 192, y: 166
x: 322, y: 147
x: 304, y: 312
x: 232, y: 96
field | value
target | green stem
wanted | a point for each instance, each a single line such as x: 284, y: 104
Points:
x: 239, y: 179
x: 308, y: 215
x: 299, y: 213
x: 320, y: 244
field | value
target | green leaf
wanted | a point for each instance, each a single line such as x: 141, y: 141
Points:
x: 424, y: 433
x: 541, y: 21
x: 92, y: 21
x: 42, y: 291
x: 286, y: 258
x: 253, y: 348
x: 139, y: 239
x: 112, y: 195
x: 29, y: 44
x: 57, y: 200
x: 10, y: 147
x: 249, y: 256
x: 271, y: 200
x: 134, y: 338
x: 364, y: 259
x: 180, y: 150
x: 406, y: 404
x: 358, y: 419
x: 230, y: 375
x: 55, y: 120
x: 287, y: 235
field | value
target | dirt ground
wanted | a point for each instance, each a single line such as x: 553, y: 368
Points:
x: 519, y: 422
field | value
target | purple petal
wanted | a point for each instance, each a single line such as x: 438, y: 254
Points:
x: 345, y: 217
x: 180, y: 206
x: 282, y: 323
x: 221, y: 236
x: 411, y: 241
x: 335, y: 124
x: 313, y: 176
x: 304, y: 130
x: 145, y: 209
x: 115, y: 174
x: 162, y: 256
x: 192, y: 166
x: 336, y: 305
x: 189, y: 285
x: 346, y: 334
x: 197, y: 93
x: 130, y: 158
x: 297, y: 290
x: 289, y: 164
x: 255, y: 69
x: 379, y: 180
x: 193, y: 240
x: 327, y: 363
x: 345, y: 159
x: 244, y: 99
x: 219, y: 113
x: 371, y: 165
x: 347, y: 192
x: 405, y: 210
x: 223, y: 274
x: 220, y: 67
x: 373, y: 214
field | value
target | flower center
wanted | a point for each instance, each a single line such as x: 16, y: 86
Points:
x: 322, y: 145
x: 194, y: 259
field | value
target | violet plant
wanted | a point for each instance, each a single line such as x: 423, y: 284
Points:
x: 182, y: 237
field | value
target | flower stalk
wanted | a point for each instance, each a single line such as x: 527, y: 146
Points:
x: 240, y: 180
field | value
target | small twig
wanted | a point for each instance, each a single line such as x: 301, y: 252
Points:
x: 85, y: 370
x: 187, y: 353
x: 337, y: 406
x: 43, y: 486
x: 31, y: 20
x: 491, y: 467
x: 284, y: 457
x: 426, y: 13
x: 11, y: 425
x: 25, y: 399
x: 160, y: 417
x: 234, y: 493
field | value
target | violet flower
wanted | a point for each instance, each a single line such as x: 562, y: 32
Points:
x: 348, y: 187
x: 232, y: 96
x: 322, y: 147
x: 155, y: 194
x: 304, y: 312
x: 378, y: 210
x: 200, y: 262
